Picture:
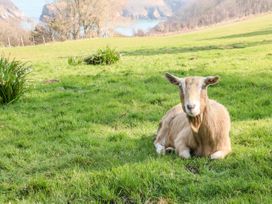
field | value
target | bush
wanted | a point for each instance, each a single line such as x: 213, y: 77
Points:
x: 103, y: 56
x: 75, y: 61
x: 12, y: 80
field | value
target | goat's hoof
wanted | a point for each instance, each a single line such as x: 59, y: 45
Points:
x: 160, y: 149
x: 218, y: 155
x: 185, y: 154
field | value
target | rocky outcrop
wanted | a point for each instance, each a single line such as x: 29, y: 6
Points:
x: 50, y: 10
x: 149, y: 9
x: 12, y: 32
x: 9, y: 12
x: 140, y: 9
x: 47, y: 11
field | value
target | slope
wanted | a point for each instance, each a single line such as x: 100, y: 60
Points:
x: 89, y: 136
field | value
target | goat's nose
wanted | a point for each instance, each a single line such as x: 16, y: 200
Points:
x: 190, y: 106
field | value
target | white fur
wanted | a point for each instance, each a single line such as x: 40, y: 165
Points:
x: 193, y: 101
x: 185, y: 154
x: 218, y: 155
x: 195, y: 111
x: 160, y: 149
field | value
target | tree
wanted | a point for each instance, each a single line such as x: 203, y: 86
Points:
x: 196, y: 13
x: 73, y: 19
x: 12, y: 34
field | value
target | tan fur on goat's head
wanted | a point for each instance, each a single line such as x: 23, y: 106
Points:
x: 193, y: 96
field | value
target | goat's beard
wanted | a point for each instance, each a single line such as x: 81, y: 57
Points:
x: 195, y: 122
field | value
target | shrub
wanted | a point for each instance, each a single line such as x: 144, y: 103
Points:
x: 12, y: 80
x: 103, y: 56
x: 75, y: 61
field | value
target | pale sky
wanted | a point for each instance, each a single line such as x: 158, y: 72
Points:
x: 31, y: 8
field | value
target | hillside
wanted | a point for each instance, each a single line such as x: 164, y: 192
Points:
x: 84, y: 134
x: 194, y: 13
x: 11, y: 21
x: 9, y: 12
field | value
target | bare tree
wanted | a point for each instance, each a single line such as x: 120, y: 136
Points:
x: 196, y: 13
x: 73, y: 19
x: 12, y: 34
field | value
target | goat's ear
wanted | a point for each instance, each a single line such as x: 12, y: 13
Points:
x: 210, y: 80
x: 172, y: 79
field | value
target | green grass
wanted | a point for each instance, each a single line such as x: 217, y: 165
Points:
x: 88, y: 136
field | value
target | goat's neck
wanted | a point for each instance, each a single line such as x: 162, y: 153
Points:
x: 202, y: 124
x: 204, y: 136
x: 200, y: 121
x: 196, y: 122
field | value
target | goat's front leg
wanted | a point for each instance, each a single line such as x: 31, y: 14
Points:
x: 184, y: 137
x: 184, y: 152
x: 223, y: 149
x: 221, y: 154
x: 160, y: 149
x: 161, y: 137
x: 181, y: 148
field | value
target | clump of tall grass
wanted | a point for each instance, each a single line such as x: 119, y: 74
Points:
x: 104, y: 56
x: 12, y: 79
x: 73, y: 61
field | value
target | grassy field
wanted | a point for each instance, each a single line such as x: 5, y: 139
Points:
x: 89, y: 136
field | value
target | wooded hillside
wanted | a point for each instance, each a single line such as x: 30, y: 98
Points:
x: 197, y: 13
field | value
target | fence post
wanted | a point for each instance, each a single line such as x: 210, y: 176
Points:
x: 43, y: 39
x: 22, y: 41
x: 9, y: 42
x: 33, y: 40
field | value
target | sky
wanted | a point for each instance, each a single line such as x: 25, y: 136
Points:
x: 31, y: 8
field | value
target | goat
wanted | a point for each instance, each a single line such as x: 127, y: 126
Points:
x: 198, y: 125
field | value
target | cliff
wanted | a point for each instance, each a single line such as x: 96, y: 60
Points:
x: 141, y: 9
x: 9, y: 12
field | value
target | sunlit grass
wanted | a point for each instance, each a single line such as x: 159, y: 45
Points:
x: 84, y: 133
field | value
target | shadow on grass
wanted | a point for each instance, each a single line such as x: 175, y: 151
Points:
x: 250, y: 34
x: 64, y: 150
x: 130, y: 100
x: 176, y: 50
